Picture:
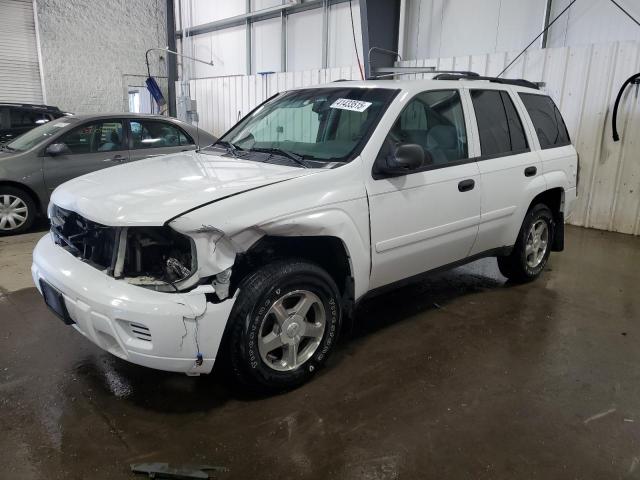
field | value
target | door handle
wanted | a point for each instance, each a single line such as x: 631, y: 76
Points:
x: 530, y: 171
x: 466, y: 185
x: 115, y: 158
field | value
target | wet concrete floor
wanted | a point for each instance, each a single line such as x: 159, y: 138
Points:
x: 460, y: 376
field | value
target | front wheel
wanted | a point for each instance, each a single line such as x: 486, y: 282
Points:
x: 284, y: 325
x: 532, y: 248
x: 17, y: 211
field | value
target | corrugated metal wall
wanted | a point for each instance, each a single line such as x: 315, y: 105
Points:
x: 582, y: 80
x: 19, y: 66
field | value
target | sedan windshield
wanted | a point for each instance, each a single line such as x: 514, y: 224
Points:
x: 38, y: 135
x: 327, y: 124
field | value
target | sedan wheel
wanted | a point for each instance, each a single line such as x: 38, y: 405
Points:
x: 15, y: 214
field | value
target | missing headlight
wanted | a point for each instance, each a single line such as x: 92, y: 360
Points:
x: 156, y: 257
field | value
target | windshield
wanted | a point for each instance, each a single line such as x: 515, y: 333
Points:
x: 329, y: 124
x: 39, y: 134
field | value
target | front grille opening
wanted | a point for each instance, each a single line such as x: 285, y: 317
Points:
x: 90, y: 241
x: 157, y: 255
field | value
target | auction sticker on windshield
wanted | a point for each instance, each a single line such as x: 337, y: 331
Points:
x: 353, y: 105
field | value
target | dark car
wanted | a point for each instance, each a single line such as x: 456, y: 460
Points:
x: 18, y: 118
x: 34, y: 164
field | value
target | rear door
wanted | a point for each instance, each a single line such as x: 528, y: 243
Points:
x: 427, y: 218
x: 89, y: 147
x: 558, y: 156
x: 511, y: 173
x: 150, y: 138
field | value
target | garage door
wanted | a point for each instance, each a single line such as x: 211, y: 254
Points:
x: 19, y: 68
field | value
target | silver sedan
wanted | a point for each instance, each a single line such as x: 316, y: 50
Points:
x: 35, y: 163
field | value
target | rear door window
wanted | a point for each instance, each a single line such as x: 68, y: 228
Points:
x: 500, y: 128
x: 157, y: 134
x: 550, y: 127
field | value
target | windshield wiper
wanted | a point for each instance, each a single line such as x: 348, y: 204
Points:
x: 228, y: 146
x: 7, y: 148
x: 278, y: 151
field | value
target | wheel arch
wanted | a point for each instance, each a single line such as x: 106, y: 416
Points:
x: 553, y: 198
x: 326, y: 251
x: 25, y: 188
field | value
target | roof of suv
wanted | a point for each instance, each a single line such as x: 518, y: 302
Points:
x: 428, y: 83
x: 30, y: 105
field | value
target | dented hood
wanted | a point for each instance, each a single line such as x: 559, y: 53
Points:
x: 152, y: 191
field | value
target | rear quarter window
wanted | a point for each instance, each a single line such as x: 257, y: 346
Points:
x: 547, y: 120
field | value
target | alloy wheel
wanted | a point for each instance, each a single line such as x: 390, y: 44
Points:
x: 292, y: 330
x: 537, y: 243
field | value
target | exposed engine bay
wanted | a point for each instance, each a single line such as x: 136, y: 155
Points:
x: 155, y: 257
x: 158, y: 258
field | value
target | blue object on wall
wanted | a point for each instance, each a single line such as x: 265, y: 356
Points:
x: 155, y: 91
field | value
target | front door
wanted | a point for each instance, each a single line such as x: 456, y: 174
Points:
x: 89, y: 147
x: 428, y: 218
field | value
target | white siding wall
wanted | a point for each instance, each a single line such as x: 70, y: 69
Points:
x: 443, y: 28
x: 582, y: 80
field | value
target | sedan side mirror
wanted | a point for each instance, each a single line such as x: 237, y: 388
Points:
x: 57, y: 149
x: 406, y: 158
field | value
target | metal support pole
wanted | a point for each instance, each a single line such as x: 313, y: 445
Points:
x: 325, y: 33
x: 547, y: 18
x: 283, y: 42
x: 248, y: 38
x: 402, y: 24
x: 172, y: 66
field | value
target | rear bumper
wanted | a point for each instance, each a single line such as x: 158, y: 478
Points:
x: 153, y: 329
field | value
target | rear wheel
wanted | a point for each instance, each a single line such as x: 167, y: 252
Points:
x: 533, y: 246
x: 284, y: 325
x: 17, y: 210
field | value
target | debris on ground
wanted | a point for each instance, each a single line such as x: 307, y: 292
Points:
x: 184, y: 472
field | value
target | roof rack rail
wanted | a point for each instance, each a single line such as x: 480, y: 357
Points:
x: 520, y: 82
x: 383, y: 72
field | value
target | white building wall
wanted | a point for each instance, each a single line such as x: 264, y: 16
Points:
x: 304, y: 40
x: 445, y: 28
x: 92, y: 51
x: 593, y: 21
x: 227, y: 48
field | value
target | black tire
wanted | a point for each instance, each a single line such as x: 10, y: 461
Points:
x: 515, y: 266
x: 26, y: 199
x: 257, y: 293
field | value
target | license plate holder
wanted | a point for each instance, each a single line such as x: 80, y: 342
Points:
x: 55, y: 301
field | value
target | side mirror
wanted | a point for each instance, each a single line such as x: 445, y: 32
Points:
x: 56, y: 149
x: 407, y: 158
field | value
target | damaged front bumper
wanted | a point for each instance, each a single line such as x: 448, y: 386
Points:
x: 179, y: 332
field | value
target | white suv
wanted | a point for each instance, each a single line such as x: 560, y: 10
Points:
x: 254, y: 250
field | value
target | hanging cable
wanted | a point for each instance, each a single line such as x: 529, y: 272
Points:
x: 355, y: 43
x: 534, y: 40
x: 633, y: 79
